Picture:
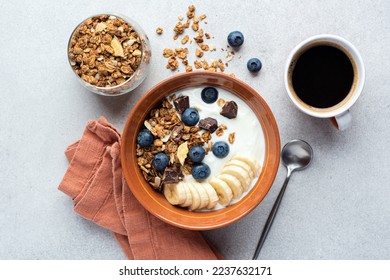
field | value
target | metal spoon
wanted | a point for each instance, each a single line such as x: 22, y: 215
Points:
x: 296, y: 155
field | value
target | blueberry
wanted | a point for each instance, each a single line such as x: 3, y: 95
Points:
x: 145, y: 138
x: 209, y: 95
x: 220, y: 149
x: 190, y: 116
x: 200, y: 171
x: 197, y: 153
x: 254, y: 65
x: 235, y: 39
x: 160, y: 161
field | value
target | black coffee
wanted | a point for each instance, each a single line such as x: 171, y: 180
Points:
x: 322, y: 76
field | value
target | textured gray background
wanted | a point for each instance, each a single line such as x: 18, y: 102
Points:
x: 337, y: 209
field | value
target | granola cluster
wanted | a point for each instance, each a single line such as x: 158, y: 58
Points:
x: 175, y: 139
x: 172, y: 136
x: 179, y: 54
x: 105, y: 51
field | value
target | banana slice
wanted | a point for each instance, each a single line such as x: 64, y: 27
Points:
x: 224, y: 193
x: 195, y: 197
x: 188, y: 201
x: 233, y: 183
x: 175, y: 193
x: 204, y: 197
x: 213, y: 197
x: 240, y: 173
x: 253, y: 163
x: 243, y: 165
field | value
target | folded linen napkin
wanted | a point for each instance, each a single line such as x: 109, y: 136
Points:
x: 95, y: 182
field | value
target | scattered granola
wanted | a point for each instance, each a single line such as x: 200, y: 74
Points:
x: 204, y: 47
x: 172, y: 63
x: 197, y: 64
x: 191, y: 11
x: 159, y: 30
x: 195, y: 26
x: 105, y: 51
x: 194, y: 23
x: 232, y: 137
x: 185, y: 39
x: 179, y: 28
x: 220, y: 130
x: 168, y: 53
x: 181, y: 53
x: 221, y: 102
x: 199, y: 53
x: 188, y: 68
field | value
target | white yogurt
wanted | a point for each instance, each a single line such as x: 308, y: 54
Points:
x: 249, y: 137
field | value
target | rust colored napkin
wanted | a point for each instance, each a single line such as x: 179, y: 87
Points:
x: 100, y: 193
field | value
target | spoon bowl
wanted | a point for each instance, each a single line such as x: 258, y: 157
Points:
x: 297, y: 155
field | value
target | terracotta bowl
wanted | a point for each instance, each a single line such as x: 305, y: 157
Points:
x: 155, y: 202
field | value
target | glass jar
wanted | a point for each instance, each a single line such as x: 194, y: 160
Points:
x: 107, y: 57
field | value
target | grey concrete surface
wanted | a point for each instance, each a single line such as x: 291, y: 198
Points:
x: 339, y: 208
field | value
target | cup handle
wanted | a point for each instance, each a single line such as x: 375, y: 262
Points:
x: 342, y: 121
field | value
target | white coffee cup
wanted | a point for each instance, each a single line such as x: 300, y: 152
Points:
x: 339, y: 114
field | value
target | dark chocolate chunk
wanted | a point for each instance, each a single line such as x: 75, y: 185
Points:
x: 181, y: 103
x: 172, y: 174
x: 177, y: 132
x: 209, y: 124
x: 229, y: 110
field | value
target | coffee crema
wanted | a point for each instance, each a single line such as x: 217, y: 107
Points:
x: 322, y: 76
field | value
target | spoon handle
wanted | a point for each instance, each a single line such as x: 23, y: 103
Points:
x: 271, y: 216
